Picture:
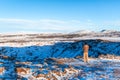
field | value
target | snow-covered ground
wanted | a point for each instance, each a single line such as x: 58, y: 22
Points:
x: 58, y: 57
x: 25, y: 39
x: 62, y: 69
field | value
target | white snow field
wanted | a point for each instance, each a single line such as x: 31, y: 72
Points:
x: 59, y: 56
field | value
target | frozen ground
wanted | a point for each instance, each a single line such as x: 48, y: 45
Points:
x: 59, y: 56
x: 62, y: 69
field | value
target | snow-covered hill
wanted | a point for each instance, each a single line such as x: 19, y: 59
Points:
x: 109, y: 31
x: 61, y: 50
x: 83, y: 32
x: 22, y: 39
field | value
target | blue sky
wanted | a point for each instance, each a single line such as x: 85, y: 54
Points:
x: 59, y: 15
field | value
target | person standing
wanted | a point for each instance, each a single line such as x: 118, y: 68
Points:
x: 85, y: 54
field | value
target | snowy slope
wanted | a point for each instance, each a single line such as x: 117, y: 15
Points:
x: 62, y: 50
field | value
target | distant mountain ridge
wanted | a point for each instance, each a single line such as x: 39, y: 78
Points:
x: 82, y: 32
x: 102, y: 33
x: 108, y: 31
x: 90, y: 31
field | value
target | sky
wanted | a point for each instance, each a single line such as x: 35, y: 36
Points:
x: 59, y: 15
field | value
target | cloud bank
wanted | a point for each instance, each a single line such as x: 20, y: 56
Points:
x: 50, y: 25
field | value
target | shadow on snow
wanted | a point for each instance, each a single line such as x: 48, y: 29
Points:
x: 37, y: 54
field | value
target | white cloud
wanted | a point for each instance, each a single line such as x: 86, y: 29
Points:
x: 14, y: 20
x: 50, y: 25
x: 42, y: 25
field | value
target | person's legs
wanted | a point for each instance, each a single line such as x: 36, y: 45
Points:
x: 85, y: 56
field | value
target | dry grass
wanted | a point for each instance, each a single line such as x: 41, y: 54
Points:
x: 64, y: 60
x: 108, y: 56
x: 52, y: 74
x: 23, y: 62
x: 5, y: 57
x: 23, y: 70
x: 2, y: 70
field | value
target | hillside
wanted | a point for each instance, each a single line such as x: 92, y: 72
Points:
x: 62, y: 50
x: 58, y: 57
